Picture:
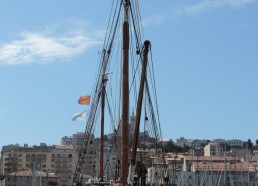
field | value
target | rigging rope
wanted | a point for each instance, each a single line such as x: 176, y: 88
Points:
x: 92, y: 114
x: 155, y: 92
x: 111, y: 36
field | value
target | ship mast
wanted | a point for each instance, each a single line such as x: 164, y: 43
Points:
x: 125, y: 94
x: 138, y: 113
x: 101, y: 155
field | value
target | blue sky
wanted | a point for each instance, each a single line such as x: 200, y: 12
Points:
x: 205, y: 54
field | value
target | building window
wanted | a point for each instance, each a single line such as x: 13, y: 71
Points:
x: 64, y: 155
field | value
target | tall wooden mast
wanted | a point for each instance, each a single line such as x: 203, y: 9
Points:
x: 138, y: 113
x: 140, y: 98
x: 125, y: 94
x: 101, y: 155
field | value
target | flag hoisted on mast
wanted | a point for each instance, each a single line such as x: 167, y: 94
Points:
x: 125, y: 12
x: 84, y: 100
x: 79, y: 116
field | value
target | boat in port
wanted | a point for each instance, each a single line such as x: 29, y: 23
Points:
x: 125, y: 80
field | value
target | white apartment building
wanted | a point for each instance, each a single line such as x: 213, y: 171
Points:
x: 219, y: 141
x: 203, y: 170
x: 212, y: 149
x: 235, y: 143
x: 25, y: 177
x: 231, y: 143
x: 56, y: 159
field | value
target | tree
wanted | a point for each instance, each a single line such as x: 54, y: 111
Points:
x: 171, y: 147
x: 256, y: 144
x: 249, y: 144
x: 186, y: 148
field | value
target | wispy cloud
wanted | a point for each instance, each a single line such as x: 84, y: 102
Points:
x: 206, y: 5
x: 154, y: 20
x: 45, y: 47
x: 197, y: 7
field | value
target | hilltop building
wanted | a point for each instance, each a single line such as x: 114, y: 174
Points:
x: 182, y: 142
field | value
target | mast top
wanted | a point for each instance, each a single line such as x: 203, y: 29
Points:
x: 126, y: 7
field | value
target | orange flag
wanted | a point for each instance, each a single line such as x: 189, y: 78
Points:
x: 84, y: 100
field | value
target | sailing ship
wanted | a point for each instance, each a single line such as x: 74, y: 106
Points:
x: 124, y: 61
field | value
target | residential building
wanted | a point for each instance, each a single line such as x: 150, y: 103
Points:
x: 212, y: 149
x: 235, y: 143
x: 78, y: 140
x: 182, y: 142
x: 189, y: 170
x: 67, y: 141
x: 164, y: 141
x: 25, y: 177
x: 199, y: 143
x: 225, y: 173
x: 221, y: 142
x: 56, y: 159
